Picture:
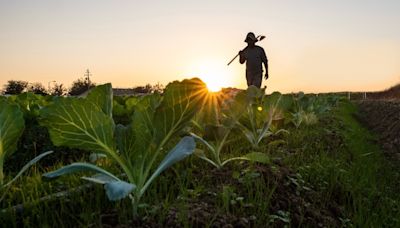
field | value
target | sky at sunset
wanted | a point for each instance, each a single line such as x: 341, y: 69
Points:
x: 312, y: 46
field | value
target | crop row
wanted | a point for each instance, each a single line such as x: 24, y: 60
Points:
x: 143, y: 136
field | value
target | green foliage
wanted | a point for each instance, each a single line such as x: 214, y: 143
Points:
x: 79, y: 123
x: 333, y: 166
x: 11, y: 127
x: 30, y: 104
x: 259, y: 114
x: 102, y: 96
x: 87, y: 124
x: 306, y: 108
x: 252, y: 114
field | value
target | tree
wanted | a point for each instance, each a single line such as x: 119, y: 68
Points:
x: 58, y: 90
x: 80, y: 86
x: 15, y: 87
x: 37, y: 88
x: 143, y: 89
x: 158, y: 88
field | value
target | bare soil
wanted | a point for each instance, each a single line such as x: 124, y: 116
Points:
x: 383, y: 118
x: 203, y: 210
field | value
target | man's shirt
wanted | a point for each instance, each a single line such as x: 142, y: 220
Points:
x: 254, y: 56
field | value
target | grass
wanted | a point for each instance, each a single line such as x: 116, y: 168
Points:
x: 354, y: 174
x: 331, y: 173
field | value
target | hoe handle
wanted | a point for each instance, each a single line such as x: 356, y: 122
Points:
x: 233, y: 58
x: 259, y: 38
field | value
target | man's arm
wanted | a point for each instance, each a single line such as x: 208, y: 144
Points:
x: 242, y: 59
x: 265, y: 61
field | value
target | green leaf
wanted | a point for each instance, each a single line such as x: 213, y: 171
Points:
x: 78, y: 123
x: 102, y: 96
x: 286, y: 103
x: 99, y: 178
x: 130, y: 103
x: 180, y: 102
x: 209, y: 146
x: 200, y: 153
x: 238, y: 106
x: 118, y: 109
x: 11, y: 127
x: 215, y: 132
x: 79, y: 167
x: 277, y: 142
x: 184, y: 148
x: 28, y: 165
x: 117, y: 190
x: 272, y: 100
x: 30, y: 104
x: 93, y: 157
x: 253, y: 156
x: 257, y: 157
x: 255, y: 93
x: 143, y: 128
x: 125, y: 138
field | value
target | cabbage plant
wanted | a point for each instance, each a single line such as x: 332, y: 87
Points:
x: 259, y: 112
x: 215, y: 148
x: 12, y: 125
x: 305, y: 109
x: 216, y: 136
x: 86, y: 123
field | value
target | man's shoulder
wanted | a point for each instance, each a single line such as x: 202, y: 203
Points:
x: 259, y: 48
x: 255, y: 49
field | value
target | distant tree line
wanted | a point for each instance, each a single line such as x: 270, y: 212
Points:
x: 78, y: 87
x: 148, y: 88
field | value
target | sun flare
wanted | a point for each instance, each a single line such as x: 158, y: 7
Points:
x: 215, y: 74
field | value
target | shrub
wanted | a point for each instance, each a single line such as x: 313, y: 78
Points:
x: 58, y: 90
x: 15, y: 87
x: 37, y: 88
x: 80, y: 86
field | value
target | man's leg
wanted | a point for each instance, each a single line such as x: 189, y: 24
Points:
x: 254, y: 79
x: 257, y: 80
x: 249, y: 79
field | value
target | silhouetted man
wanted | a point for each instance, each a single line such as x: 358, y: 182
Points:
x: 254, y: 56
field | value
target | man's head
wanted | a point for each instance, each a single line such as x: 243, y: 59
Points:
x: 251, y: 39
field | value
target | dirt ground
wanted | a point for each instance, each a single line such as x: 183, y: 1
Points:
x: 383, y: 118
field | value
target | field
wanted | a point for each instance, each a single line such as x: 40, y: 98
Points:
x: 192, y: 158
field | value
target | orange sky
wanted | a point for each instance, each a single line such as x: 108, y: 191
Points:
x: 311, y: 46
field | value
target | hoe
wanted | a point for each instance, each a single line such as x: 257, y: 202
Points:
x: 259, y: 38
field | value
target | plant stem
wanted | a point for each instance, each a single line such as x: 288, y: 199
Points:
x: 135, y: 202
x: 1, y: 175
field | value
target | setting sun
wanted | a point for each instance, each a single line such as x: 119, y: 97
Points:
x: 215, y: 74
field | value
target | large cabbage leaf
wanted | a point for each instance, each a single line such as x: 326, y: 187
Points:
x: 102, y: 96
x: 11, y: 127
x: 155, y: 121
x: 180, y: 102
x: 79, y: 123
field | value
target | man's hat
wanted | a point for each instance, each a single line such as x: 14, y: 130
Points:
x: 251, y: 36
